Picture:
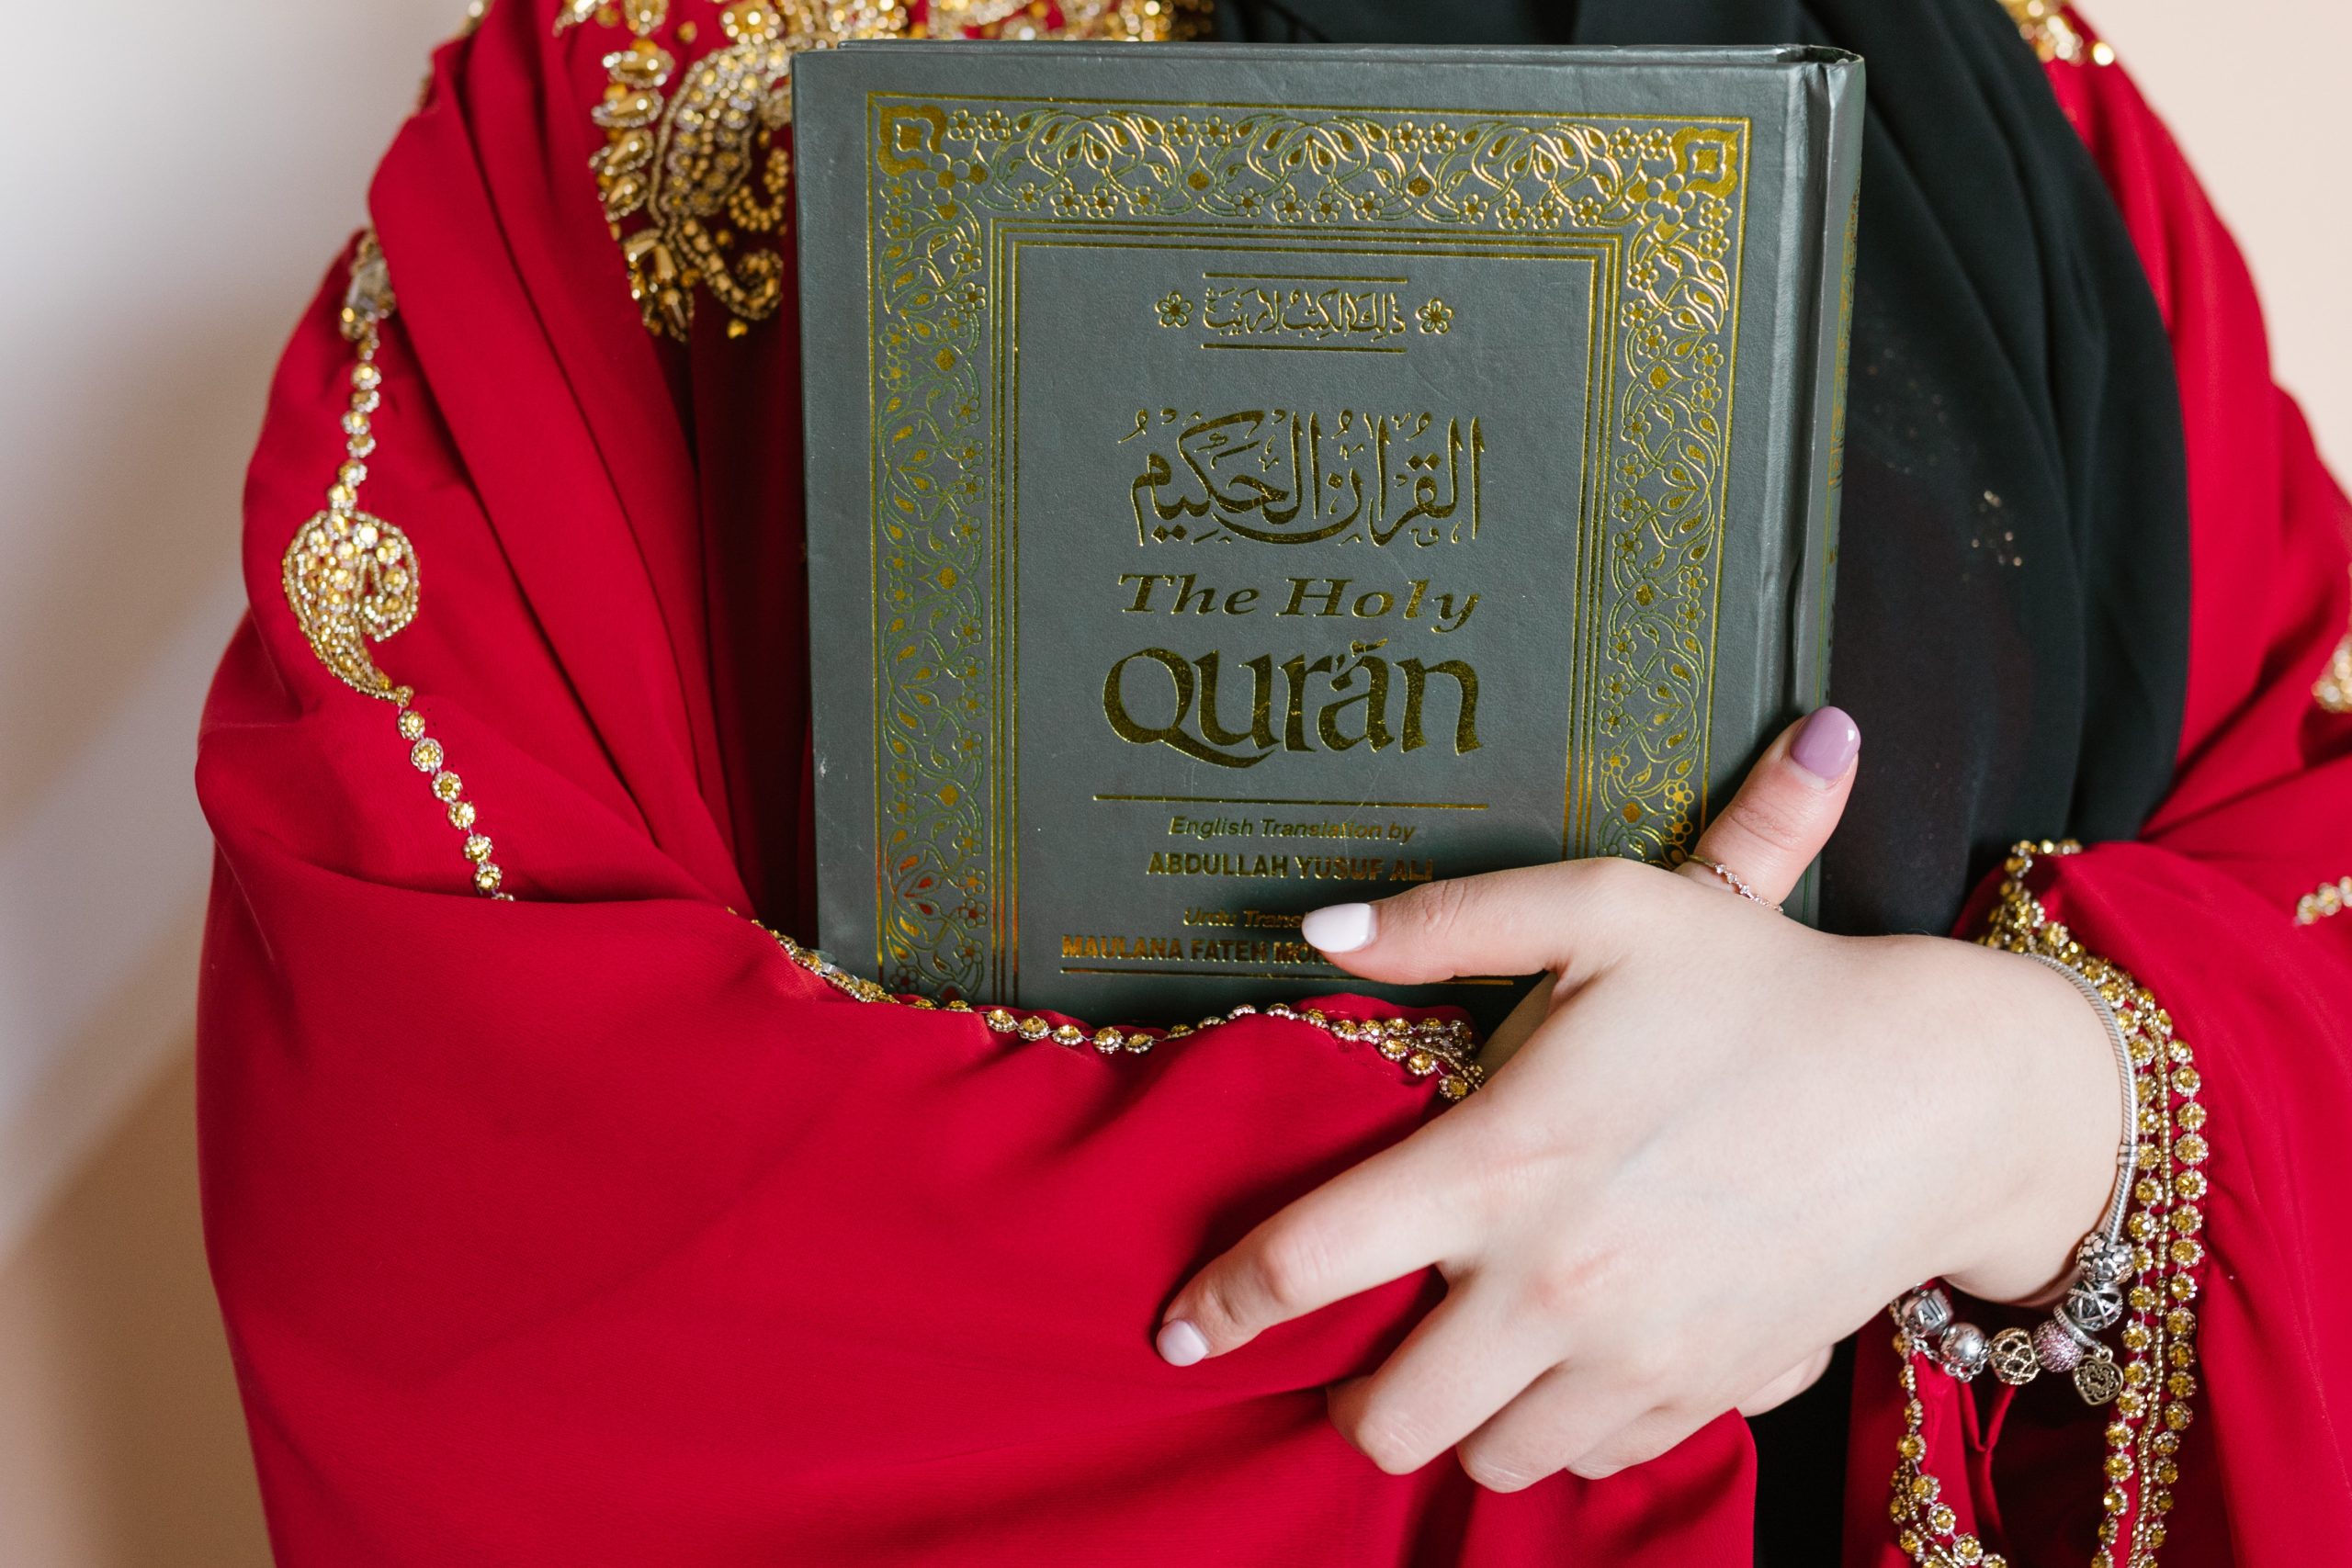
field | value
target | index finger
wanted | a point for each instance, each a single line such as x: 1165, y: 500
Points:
x: 1563, y: 917
x: 1380, y: 1221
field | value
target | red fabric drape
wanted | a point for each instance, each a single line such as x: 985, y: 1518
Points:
x: 2201, y: 912
x: 587, y: 1228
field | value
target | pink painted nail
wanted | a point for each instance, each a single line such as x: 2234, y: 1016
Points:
x: 1179, y: 1344
x: 1826, y: 746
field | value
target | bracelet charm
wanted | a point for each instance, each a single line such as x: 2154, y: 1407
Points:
x: 2140, y: 1275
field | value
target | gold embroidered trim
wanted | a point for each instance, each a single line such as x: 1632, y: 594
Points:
x: 2325, y: 903
x: 2046, y: 24
x: 1127, y: 21
x: 2333, y: 690
x: 2152, y: 1409
x: 351, y: 579
x: 696, y: 185
x: 1425, y: 1048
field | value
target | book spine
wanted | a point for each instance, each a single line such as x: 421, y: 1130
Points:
x: 1838, y: 93
x: 1840, y: 218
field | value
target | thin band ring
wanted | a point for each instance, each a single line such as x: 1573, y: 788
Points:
x: 1735, y: 882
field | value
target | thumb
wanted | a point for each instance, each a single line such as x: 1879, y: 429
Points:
x: 1785, y: 810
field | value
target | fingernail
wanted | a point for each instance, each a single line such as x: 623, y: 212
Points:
x: 1826, y: 746
x: 1179, y: 1344
x: 1342, y: 928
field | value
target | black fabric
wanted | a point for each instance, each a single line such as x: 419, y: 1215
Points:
x: 2012, y: 610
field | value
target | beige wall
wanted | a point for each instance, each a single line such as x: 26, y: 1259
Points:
x: 150, y: 264
x: 119, y: 1436
x: 184, y: 175
x: 2249, y: 86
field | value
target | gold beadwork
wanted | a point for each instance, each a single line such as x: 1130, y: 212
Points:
x: 2050, y: 28
x: 2331, y: 899
x: 351, y: 579
x: 696, y: 185
x: 2149, y: 1410
x: 1137, y: 22
x: 1423, y: 1047
x: 2333, y: 692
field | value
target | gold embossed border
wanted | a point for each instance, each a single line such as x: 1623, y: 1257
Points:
x: 945, y: 170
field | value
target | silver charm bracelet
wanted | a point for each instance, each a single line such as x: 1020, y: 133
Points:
x: 2068, y: 1340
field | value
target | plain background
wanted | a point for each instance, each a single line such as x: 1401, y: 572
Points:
x: 184, y: 174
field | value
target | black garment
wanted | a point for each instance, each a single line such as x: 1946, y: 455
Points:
x: 2012, y: 610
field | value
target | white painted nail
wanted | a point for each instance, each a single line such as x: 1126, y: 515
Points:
x: 1342, y: 928
x: 1179, y: 1344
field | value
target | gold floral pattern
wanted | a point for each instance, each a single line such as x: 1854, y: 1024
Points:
x: 2152, y: 1411
x: 695, y: 179
x: 1668, y: 193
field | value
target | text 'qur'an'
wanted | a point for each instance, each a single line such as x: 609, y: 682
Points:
x: 1243, y: 481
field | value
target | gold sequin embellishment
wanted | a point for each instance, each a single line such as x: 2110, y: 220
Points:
x: 2333, y: 690
x: 2050, y: 28
x: 695, y: 177
x: 351, y: 579
x: 1440, y: 1050
x: 2325, y: 902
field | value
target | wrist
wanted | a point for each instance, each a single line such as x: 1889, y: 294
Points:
x: 2049, y: 1171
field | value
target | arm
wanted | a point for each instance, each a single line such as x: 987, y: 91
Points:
x: 1676, y: 1192
x: 2203, y: 913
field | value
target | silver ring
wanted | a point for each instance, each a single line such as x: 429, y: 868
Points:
x: 1735, y: 882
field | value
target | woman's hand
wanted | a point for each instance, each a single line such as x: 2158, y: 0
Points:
x: 1729, y: 1142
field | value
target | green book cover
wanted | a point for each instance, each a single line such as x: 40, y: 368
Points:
x: 1245, y: 479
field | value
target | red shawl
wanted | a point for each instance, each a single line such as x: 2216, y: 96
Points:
x: 590, y: 1227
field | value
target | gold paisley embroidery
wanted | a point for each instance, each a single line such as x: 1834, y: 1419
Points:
x: 696, y: 180
x: 351, y: 579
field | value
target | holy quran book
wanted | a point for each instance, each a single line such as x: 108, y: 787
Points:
x: 1247, y: 479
